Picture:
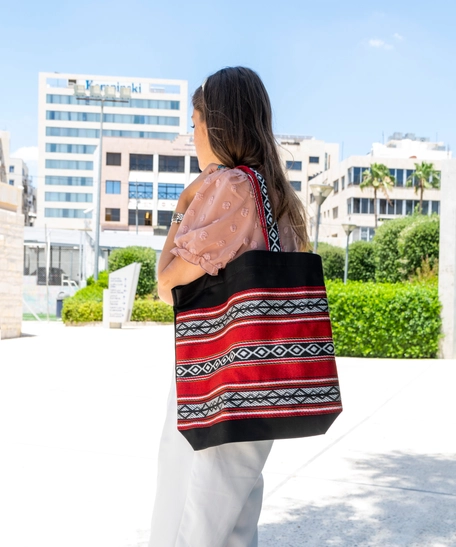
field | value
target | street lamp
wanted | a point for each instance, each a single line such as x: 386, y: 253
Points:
x: 348, y: 230
x: 100, y: 94
x: 320, y: 193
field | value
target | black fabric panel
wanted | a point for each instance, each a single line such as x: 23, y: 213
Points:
x: 252, y: 270
x: 259, y: 429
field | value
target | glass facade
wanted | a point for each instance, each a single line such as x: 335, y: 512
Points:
x: 70, y: 148
x: 169, y: 191
x: 141, y: 217
x: 59, y: 115
x: 112, y: 187
x: 95, y: 133
x: 314, y: 159
x: 393, y: 207
x: 66, y: 213
x: 68, y: 197
x: 69, y: 164
x: 140, y: 190
x: 141, y: 162
x: 69, y: 181
x: 171, y: 164
x: 133, y: 103
x: 112, y: 215
x: 164, y: 218
x: 294, y: 165
x: 296, y: 184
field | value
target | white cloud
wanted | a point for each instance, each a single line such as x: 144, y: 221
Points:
x: 398, y: 36
x: 26, y: 153
x: 379, y: 44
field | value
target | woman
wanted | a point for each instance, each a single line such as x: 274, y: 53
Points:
x: 213, y: 497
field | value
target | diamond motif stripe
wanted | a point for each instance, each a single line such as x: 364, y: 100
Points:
x: 255, y: 399
x: 253, y: 308
x: 256, y: 353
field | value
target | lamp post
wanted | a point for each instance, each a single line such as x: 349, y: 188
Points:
x: 100, y: 94
x: 320, y: 193
x: 348, y: 230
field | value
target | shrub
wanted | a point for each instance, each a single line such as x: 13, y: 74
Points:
x: 385, y: 319
x: 92, y: 293
x: 84, y: 310
x: 386, y: 252
x: 150, y: 310
x: 333, y: 259
x: 119, y: 258
x: 81, y: 311
x: 361, y: 262
x: 103, y: 279
x: 418, y: 241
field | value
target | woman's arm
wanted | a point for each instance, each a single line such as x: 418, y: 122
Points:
x: 174, y: 270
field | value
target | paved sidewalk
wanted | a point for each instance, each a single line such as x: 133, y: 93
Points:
x: 80, y: 419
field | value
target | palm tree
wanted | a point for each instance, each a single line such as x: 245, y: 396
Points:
x: 426, y: 176
x: 378, y: 178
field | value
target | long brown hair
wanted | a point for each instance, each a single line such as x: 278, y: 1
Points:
x: 235, y: 106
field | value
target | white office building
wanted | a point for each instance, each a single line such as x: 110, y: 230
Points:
x: 349, y: 204
x: 69, y: 136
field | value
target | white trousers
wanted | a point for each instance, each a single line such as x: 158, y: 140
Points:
x: 208, y: 498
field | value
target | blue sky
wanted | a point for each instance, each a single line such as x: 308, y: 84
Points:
x: 343, y: 72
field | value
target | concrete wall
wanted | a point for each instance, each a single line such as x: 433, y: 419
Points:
x: 447, y: 259
x: 11, y: 261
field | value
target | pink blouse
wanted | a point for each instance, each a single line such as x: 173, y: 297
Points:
x: 222, y: 222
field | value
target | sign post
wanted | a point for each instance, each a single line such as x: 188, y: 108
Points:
x: 119, y: 298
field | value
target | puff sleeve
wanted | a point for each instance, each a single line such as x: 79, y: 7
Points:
x: 219, y: 223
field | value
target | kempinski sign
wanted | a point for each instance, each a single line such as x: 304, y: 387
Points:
x: 135, y: 87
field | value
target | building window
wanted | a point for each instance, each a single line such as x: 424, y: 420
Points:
x: 398, y: 206
x: 436, y: 207
x: 169, y: 191
x: 366, y: 234
x: 356, y: 205
x: 70, y: 148
x: 68, y: 197
x: 140, y: 190
x: 164, y: 218
x: 425, y: 208
x: 141, y: 162
x: 68, y: 181
x: 113, y: 187
x: 296, y: 184
x: 66, y: 213
x: 294, y: 165
x: 194, y: 165
x: 349, y: 206
x: 11, y: 168
x: 133, y: 103
x: 113, y: 158
x: 335, y: 212
x: 112, y: 215
x: 336, y: 186
x: 11, y: 182
x: 69, y: 164
x: 342, y: 183
x: 141, y: 217
x: 314, y: 159
x: 355, y: 175
x: 171, y: 164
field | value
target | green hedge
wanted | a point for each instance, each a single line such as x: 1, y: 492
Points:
x: 78, y: 310
x: 361, y: 262
x: 333, y: 260
x: 385, y: 319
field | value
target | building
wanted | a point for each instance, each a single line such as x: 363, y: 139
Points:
x: 11, y: 247
x: 304, y: 158
x: 69, y: 136
x: 349, y: 204
x: 142, y: 180
x: 18, y: 175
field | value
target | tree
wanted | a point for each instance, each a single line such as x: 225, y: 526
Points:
x: 426, y: 176
x: 378, y: 178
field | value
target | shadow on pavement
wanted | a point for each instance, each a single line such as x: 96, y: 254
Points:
x: 399, y: 500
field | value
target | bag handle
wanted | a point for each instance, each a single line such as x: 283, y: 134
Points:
x: 268, y: 225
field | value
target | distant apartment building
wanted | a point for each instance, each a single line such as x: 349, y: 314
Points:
x: 349, y: 204
x: 142, y: 180
x: 69, y: 134
x: 18, y: 175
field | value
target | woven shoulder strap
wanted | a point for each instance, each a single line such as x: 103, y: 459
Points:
x: 268, y: 225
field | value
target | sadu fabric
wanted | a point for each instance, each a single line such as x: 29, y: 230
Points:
x: 254, y: 349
